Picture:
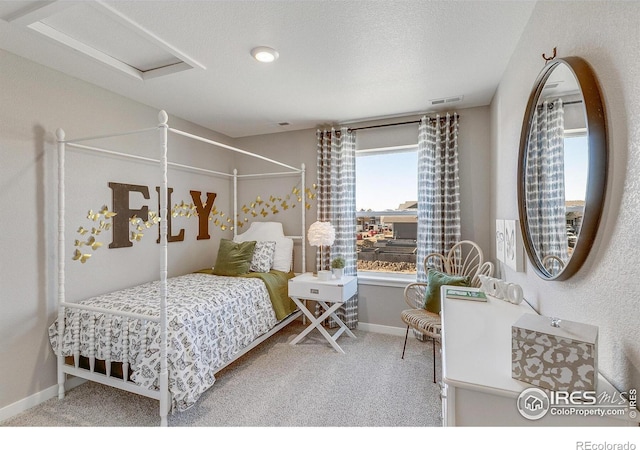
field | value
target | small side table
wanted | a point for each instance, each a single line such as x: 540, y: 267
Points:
x: 331, y: 295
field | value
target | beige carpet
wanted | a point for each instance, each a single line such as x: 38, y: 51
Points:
x: 279, y: 385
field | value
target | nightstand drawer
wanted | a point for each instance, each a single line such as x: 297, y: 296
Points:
x: 330, y: 291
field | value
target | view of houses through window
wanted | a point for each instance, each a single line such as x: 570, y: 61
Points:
x: 386, y: 209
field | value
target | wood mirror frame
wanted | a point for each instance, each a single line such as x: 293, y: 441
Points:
x: 597, y: 166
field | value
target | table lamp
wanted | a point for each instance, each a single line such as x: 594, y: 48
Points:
x: 321, y: 234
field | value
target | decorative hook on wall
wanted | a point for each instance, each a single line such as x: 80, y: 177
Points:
x: 547, y: 58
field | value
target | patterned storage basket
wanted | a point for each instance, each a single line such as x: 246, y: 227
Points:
x: 553, y: 354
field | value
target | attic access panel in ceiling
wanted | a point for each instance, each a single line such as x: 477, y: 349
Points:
x: 100, y: 32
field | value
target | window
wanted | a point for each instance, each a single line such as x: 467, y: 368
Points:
x: 386, y: 209
x: 576, y: 161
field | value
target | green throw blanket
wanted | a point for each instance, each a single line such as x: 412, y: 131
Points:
x: 277, y: 283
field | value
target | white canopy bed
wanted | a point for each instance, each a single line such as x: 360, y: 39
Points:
x: 169, y: 337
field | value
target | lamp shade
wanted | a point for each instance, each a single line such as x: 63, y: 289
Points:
x: 321, y: 234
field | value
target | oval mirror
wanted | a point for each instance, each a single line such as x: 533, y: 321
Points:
x: 562, y: 168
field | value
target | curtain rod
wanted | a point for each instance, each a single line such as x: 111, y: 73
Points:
x: 550, y: 105
x: 397, y: 123
x: 384, y: 125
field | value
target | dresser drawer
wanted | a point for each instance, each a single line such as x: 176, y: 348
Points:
x: 331, y: 291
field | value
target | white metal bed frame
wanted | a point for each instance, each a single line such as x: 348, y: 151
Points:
x: 162, y: 394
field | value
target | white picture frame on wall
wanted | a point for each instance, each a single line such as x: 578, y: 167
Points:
x: 500, y: 240
x: 513, y: 247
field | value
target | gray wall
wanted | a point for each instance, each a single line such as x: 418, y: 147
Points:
x: 605, y: 291
x: 35, y: 102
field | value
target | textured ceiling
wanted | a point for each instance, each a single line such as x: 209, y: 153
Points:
x: 340, y: 61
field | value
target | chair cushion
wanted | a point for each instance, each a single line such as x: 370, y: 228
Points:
x: 435, y: 280
x: 423, y: 321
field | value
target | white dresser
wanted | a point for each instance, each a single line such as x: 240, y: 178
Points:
x: 477, y: 388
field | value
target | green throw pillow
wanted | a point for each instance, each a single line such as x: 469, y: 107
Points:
x: 234, y: 258
x: 436, y: 280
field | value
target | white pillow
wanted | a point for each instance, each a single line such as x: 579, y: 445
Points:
x: 282, y: 259
x: 271, y: 231
x: 263, y: 255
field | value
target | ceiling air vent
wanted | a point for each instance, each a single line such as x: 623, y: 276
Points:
x: 442, y: 101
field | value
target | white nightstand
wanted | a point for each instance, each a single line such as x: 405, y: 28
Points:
x: 331, y: 295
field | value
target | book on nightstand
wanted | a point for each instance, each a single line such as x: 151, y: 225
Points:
x: 466, y: 294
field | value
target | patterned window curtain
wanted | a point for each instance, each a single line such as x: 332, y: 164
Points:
x: 546, y: 207
x: 438, y: 188
x: 336, y: 196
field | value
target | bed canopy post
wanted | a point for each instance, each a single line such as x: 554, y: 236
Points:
x: 61, y: 256
x: 304, y: 225
x: 164, y: 372
x: 235, y: 202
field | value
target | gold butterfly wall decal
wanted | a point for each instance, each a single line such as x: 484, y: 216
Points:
x: 82, y: 257
x: 91, y: 242
x: 106, y: 213
x: 102, y: 217
x: 310, y: 194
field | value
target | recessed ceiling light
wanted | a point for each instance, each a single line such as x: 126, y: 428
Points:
x: 264, y: 54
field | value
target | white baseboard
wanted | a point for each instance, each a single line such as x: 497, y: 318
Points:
x: 383, y: 329
x: 34, y: 400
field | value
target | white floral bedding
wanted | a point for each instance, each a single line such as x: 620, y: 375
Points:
x: 210, y: 318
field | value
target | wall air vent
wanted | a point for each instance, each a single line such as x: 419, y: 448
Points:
x: 442, y: 101
x: 99, y: 31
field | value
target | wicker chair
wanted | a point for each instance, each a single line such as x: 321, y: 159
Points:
x: 464, y: 259
x: 553, y: 264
